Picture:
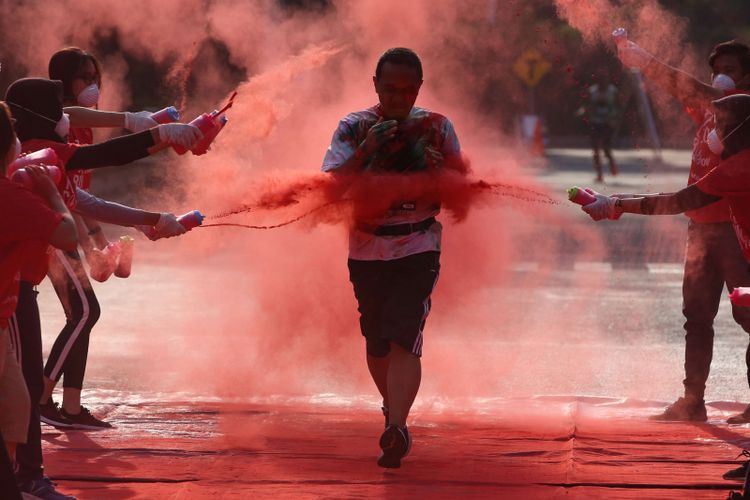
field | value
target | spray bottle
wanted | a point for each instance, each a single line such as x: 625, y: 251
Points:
x: 125, y: 262
x: 580, y: 196
x: 46, y: 156
x: 103, y: 262
x: 740, y: 296
x: 22, y: 176
x: 169, y: 114
x: 191, y: 219
x: 208, y: 123
x: 620, y: 36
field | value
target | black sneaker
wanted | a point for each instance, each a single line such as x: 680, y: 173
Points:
x: 43, y: 488
x: 740, y: 472
x: 683, y: 410
x: 740, y: 418
x: 49, y: 413
x: 395, y: 443
x: 84, y: 420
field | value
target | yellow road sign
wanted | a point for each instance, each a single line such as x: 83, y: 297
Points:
x: 531, y: 66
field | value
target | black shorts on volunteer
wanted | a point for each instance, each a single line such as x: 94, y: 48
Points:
x: 394, y: 300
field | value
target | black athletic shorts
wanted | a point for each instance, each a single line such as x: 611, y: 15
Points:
x: 394, y: 300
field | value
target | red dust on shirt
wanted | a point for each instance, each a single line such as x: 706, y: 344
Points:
x: 81, y: 136
x: 731, y: 180
x: 25, y: 229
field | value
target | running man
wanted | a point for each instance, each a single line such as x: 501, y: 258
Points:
x: 394, y: 259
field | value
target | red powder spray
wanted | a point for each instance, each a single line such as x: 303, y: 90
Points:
x: 272, y: 312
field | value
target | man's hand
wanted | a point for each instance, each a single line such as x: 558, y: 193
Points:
x: 603, y: 208
x: 432, y: 157
x: 43, y: 184
x: 379, y: 134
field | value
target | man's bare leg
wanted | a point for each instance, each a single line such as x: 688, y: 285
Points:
x: 404, y: 377
x: 379, y: 372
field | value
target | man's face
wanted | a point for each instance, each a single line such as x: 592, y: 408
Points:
x: 397, y: 89
x: 728, y: 65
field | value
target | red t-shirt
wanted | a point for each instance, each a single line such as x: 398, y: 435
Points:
x: 34, y: 270
x: 64, y: 152
x: 25, y: 229
x: 704, y: 161
x: 731, y: 180
x: 81, y: 136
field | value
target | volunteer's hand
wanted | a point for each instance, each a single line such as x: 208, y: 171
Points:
x: 379, y: 134
x: 139, y: 121
x: 603, y: 208
x: 166, y: 227
x: 180, y: 134
x: 43, y: 184
x: 633, y: 56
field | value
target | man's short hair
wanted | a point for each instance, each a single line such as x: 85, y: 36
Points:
x: 399, y: 55
x: 732, y: 48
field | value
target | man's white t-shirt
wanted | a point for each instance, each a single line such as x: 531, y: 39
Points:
x: 404, y: 153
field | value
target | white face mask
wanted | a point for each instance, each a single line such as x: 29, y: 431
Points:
x: 89, y: 96
x: 714, y: 143
x: 63, y: 126
x: 723, y: 82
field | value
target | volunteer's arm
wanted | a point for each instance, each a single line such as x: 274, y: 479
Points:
x: 129, y: 148
x: 611, y: 207
x: 678, y: 83
x: 94, y: 118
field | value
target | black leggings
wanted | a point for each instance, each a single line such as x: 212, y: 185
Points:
x: 69, y: 353
x: 26, y: 333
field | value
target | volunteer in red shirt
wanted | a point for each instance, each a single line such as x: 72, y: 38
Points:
x: 36, y: 105
x: 713, y: 258
x: 80, y: 75
x: 30, y: 223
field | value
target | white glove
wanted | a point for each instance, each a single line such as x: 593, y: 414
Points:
x: 140, y: 121
x: 603, y: 208
x: 167, y: 227
x: 633, y: 56
x: 181, y: 134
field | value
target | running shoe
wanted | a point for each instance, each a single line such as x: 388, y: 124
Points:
x: 740, y: 472
x: 683, y: 410
x: 43, y: 488
x: 84, y: 420
x: 49, y: 413
x: 740, y: 418
x: 395, y: 443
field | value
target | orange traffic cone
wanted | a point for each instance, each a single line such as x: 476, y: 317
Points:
x: 537, y: 142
